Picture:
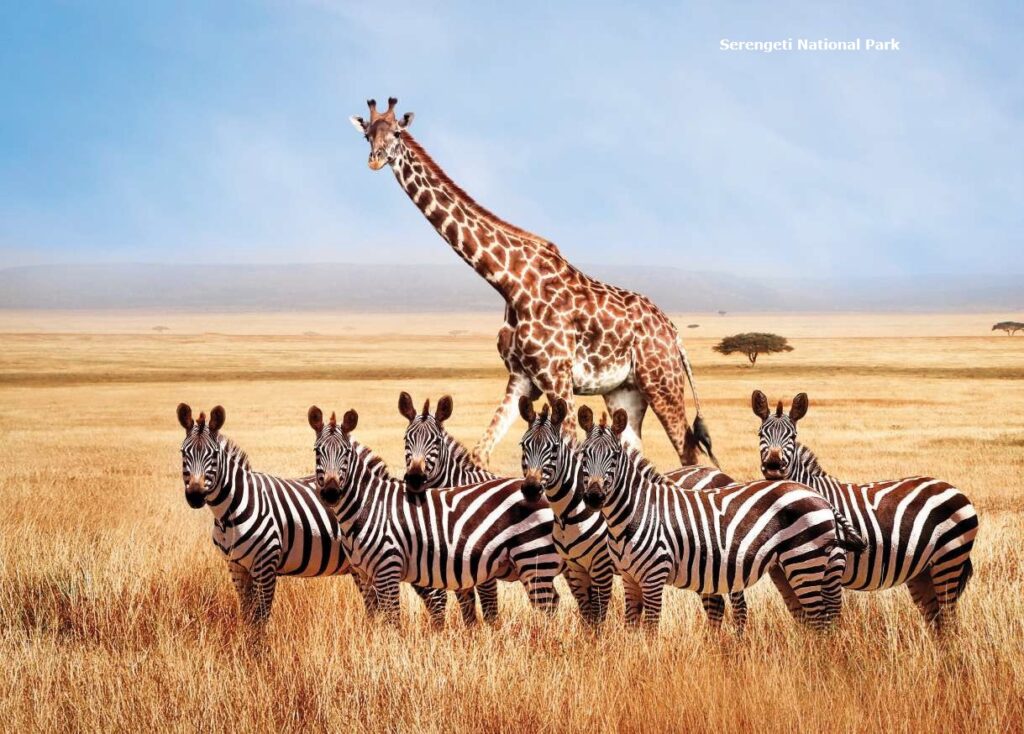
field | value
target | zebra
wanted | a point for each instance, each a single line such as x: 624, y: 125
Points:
x: 551, y: 465
x: 452, y: 539
x: 265, y: 526
x: 919, y: 530
x: 434, y: 460
x: 710, y: 542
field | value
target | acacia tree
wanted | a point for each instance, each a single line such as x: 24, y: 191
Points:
x: 1010, y: 327
x: 753, y: 344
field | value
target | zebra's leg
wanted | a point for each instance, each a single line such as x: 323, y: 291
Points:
x: 467, y: 605
x: 806, y: 577
x: 634, y: 601
x: 832, y: 590
x: 580, y: 586
x: 949, y: 579
x: 385, y: 588
x: 714, y: 608
x: 436, y: 602
x: 923, y: 594
x: 540, y: 589
x: 788, y: 595
x: 242, y: 581
x: 370, y: 601
x: 488, y: 593
x: 738, y: 602
x: 653, y: 591
x: 602, y: 575
x: 264, y: 587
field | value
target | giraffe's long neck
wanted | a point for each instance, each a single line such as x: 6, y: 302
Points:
x: 495, y: 249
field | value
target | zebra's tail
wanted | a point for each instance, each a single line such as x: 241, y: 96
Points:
x: 847, y: 537
x: 701, y: 434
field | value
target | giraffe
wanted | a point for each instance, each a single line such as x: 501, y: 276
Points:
x: 564, y: 333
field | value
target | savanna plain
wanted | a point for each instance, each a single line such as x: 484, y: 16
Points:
x: 116, y: 611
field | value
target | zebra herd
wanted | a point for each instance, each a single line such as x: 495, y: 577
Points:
x: 588, y: 510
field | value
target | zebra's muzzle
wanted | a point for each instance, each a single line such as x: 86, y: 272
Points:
x: 593, y: 495
x: 532, y: 489
x: 415, y: 480
x: 195, y: 499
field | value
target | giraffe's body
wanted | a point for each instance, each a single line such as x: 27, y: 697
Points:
x: 565, y: 333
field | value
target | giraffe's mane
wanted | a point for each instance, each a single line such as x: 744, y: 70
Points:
x: 424, y: 157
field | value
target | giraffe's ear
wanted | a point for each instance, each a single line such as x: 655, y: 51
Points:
x: 526, y: 409
x: 349, y: 422
x: 444, y: 409
x: 358, y: 123
x: 406, y: 120
x: 799, y: 407
x: 217, y: 418
x: 316, y: 419
x: 559, y: 411
x: 185, y: 416
x: 619, y: 421
x: 405, y: 406
x: 586, y: 418
x: 759, y: 404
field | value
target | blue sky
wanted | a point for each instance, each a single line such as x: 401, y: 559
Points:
x: 218, y: 132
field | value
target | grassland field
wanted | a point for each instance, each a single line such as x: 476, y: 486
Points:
x: 116, y: 611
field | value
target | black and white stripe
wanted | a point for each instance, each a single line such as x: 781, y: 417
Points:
x: 711, y: 542
x: 454, y: 539
x: 919, y: 531
x: 552, y: 465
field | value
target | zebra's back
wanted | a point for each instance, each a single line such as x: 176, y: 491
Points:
x: 907, y: 523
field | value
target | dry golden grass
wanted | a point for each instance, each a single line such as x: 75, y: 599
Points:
x: 116, y: 612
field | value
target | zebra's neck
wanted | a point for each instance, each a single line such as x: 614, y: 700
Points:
x: 368, y: 483
x: 807, y: 470
x: 457, y: 467
x: 236, y: 492
x: 635, y: 480
x: 566, y: 492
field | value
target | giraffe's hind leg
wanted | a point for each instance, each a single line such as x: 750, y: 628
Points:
x: 663, y: 391
x: 629, y: 398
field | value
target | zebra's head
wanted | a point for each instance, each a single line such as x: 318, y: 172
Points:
x: 601, y: 455
x: 383, y: 132
x: 777, y: 436
x: 333, y: 450
x: 200, y: 453
x: 426, y: 440
x: 545, y: 448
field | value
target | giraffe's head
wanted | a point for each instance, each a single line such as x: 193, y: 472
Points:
x: 200, y: 453
x: 333, y: 449
x: 601, y: 456
x: 383, y: 131
x: 777, y: 436
x: 546, y: 448
x: 425, y: 441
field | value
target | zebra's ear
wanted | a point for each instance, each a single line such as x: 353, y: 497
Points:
x: 405, y: 406
x: 558, y: 411
x: 619, y: 421
x: 349, y: 422
x: 185, y: 416
x: 526, y: 409
x: 444, y: 409
x: 586, y: 418
x: 216, y: 418
x: 759, y: 404
x: 799, y: 407
x: 316, y: 419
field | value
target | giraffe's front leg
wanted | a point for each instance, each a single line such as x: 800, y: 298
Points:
x: 518, y: 385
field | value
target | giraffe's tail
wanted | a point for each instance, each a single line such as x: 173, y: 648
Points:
x: 701, y: 434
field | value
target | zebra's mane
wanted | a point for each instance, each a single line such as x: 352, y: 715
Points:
x: 809, y: 461
x: 459, y: 453
x: 644, y: 468
x: 374, y: 465
x: 233, y: 451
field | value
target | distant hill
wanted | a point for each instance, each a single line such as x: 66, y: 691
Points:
x: 455, y: 287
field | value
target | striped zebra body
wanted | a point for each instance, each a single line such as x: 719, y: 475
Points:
x: 711, y: 542
x: 918, y: 531
x: 454, y: 539
x: 435, y: 460
x: 265, y: 526
x: 552, y: 465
